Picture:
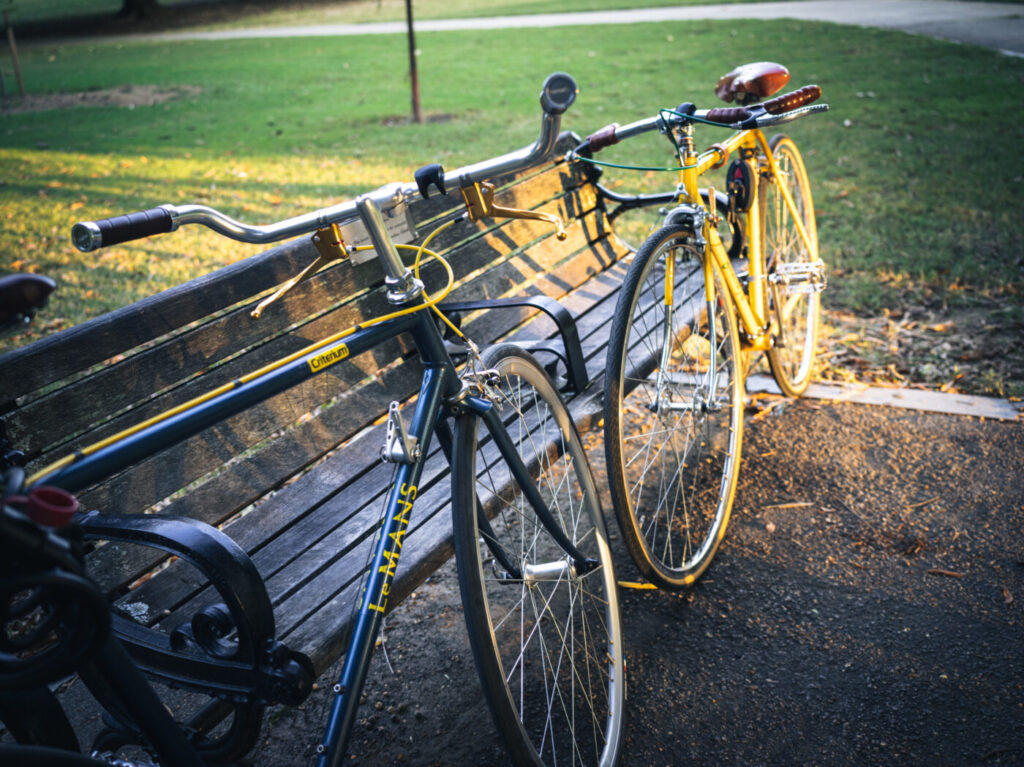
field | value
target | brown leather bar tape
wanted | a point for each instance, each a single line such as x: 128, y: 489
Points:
x: 727, y: 115
x: 789, y: 101
x: 602, y: 138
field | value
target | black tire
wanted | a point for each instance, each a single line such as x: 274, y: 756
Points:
x: 547, y: 644
x: 791, y: 357
x: 672, y: 460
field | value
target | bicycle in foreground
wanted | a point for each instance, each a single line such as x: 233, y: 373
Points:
x: 533, y: 560
x: 728, y: 275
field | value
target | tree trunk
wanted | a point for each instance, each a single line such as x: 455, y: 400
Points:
x: 417, y: 112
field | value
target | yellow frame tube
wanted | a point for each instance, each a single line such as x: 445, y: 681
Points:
x: 751, y: 312
x: 751, y: 308
x: 811, y: 248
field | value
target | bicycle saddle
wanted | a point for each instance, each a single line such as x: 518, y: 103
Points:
x: 21, y: 295
x: 751, y: 82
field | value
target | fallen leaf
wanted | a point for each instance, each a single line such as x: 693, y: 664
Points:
x: 1007, y: 596
x: 796, y: 505
x: 948, y: 573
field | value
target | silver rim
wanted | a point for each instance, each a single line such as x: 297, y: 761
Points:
x: 678, y: 438
x: 784, y: 245
x: 556, y: 632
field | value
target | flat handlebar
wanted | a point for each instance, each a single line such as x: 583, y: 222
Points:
x: 557, y: 95
x: 781, y: 109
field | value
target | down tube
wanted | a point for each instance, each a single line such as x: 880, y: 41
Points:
x: 374, y: 598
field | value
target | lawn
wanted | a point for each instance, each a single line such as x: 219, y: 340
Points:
x: 915, y: 169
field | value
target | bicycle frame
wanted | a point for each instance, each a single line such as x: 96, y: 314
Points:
x: 440, y: 386
x: 442, y: 393
x: 750, y: 306
x: 747, y: 140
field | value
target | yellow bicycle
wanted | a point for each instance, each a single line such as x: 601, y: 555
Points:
x: 728, y: 275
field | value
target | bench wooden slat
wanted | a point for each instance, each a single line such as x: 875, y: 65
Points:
x: 322, y: 539
x: 240, y: 484
x: 336, y: 587
x: 236, y: 486
x: 42, y: 363
x: 119, y: 566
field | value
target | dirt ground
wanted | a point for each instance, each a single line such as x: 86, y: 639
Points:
x: 129, y: 96
x: 969, y: 350
x: 865, y: 608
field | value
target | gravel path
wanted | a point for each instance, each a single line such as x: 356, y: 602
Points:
x: 865, y: 608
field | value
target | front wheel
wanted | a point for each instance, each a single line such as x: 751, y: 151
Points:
x: 795, y: 273
x: 544, y: 627
x: 673, y: 403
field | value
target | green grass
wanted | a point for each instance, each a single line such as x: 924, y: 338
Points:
x: 916, y: 170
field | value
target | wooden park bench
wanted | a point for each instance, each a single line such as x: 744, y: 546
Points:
x: 297, y: 481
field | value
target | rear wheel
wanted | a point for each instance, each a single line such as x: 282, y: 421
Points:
x: 673, y: 410
x: 544, y: 628
x: 794, y: 300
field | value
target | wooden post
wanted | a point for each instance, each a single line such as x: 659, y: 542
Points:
x: 417, y: 113
x: 14, y: 52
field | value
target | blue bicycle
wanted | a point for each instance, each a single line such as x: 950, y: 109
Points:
x: 533, y: 559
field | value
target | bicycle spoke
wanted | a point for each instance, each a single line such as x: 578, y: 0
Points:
x: 554, y: 633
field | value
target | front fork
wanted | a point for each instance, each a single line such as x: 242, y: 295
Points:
x: 703, y: 399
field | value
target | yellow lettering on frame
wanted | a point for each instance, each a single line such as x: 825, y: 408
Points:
x: 328, y: 358
x: 397, y: 537
x: 389, y: 568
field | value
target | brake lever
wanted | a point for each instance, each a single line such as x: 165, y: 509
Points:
x: 764, y: 119
x: 479, y: 199
x: 331, y: 247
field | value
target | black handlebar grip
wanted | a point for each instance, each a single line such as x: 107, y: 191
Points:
x: 90, y: 235
x: 789, y: 101
x: 728, y: 115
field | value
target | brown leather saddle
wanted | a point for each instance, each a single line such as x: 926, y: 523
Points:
x: 752, y: 82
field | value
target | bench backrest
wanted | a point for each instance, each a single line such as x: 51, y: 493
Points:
x: 93, y: 380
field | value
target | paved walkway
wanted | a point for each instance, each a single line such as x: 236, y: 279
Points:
x: 995, y: 25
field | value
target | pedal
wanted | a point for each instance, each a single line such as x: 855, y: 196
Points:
x: 800, y: 277
x: 399, y: 445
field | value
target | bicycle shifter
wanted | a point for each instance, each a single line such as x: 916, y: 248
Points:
x: 479, y: 199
